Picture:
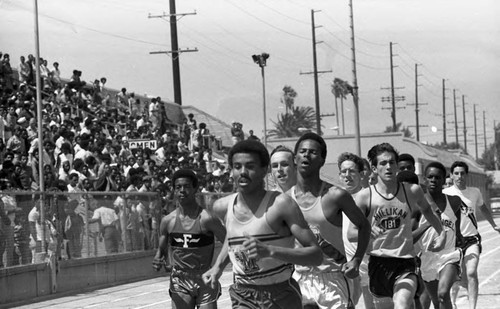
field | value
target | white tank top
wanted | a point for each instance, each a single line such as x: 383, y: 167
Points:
x: 471, y: 199
x: 263, y: 271
x: 329, y: 237
x: 394, y: 217
x: 448, y: 220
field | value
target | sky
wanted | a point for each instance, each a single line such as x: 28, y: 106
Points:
x: 452, y: 40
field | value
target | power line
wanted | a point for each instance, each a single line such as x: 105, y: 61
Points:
x: 357, y: 36
x: 284, y: 15
x: 267, y: 23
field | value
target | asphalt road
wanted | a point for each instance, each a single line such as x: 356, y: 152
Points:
x: 153, y: 293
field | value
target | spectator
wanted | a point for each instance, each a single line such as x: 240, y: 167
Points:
x: 24, y: 71
x: 73, y: 228
x: 109, y: 225
x: 55, y: 75
x: 237, y: 132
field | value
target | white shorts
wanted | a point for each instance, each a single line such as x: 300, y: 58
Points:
x: 327, y: 290
x: 434, y: 262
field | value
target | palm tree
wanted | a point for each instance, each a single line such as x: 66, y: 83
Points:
x: 340, y: 89
x: 288, y: 124
x: 288, y: 98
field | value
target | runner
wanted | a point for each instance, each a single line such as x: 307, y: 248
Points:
x: 351, y: 173
x: 440, y: 269
x: 392, y: 268
x: 323, y: 205
x: 283, y: 168
x: 188, y: 235
x: 261, y: 229
x: 471, y: 246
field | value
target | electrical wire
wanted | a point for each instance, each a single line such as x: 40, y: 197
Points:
x: 267, y: 23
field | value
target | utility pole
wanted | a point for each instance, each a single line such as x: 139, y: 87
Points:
x: 475, y: 131
x: 315, y: 68
x: 393, y: 99
x: 456, y: 120
x: 315, y: 73
x: 444, y: 112
x: 355, y: 97
x: 175, y: 51
x: 417, y: 104
x: 417, y: 124
x: 495, y: 148
x: 465, y: 123
x: 484, y: 131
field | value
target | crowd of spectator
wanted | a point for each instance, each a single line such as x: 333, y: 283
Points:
x: 86, y: 134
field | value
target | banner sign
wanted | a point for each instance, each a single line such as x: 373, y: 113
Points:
x: 142, y: 143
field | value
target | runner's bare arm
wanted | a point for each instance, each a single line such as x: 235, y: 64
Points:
x: 487, y: 214
x: 424, y: 204
x: 284, y: 216
x: 161, y: 253
x: 212, y: 275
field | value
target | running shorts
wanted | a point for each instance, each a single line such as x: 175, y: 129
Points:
x: 385, y: 271
x: 326, y: 289
x: 191, y: 285
x: 273, y: 296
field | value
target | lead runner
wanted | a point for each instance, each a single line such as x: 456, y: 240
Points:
x: 261, y: 229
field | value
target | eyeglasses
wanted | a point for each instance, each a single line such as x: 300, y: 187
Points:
x: 348, y: 171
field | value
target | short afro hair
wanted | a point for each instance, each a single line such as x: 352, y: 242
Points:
x: 250, y: 146
x: 185, y: 173
x: 437, y: 165
x: 406, y: 157
x: 315, y: 137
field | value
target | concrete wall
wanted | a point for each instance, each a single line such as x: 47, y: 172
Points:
x: 23, y: 284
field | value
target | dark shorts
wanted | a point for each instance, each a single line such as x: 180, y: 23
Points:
x: 274, y: 296
x: 385, y: 271
x: 190, y: 286
x: 469, y: 241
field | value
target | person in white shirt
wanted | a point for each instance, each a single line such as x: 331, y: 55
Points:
x: 471, y: 246
x: 109, y: 226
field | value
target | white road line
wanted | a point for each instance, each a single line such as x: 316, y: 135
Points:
x: 154, y: 304
x: 489, y: 278
x: 122, y: 298
x: 482, y: 256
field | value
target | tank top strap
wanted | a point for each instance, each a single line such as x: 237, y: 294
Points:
x: 230, y: 207
x: 264, y: 204
x: 177, y: 223
x: 370, y: 202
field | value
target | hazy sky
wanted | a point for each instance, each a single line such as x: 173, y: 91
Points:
x: 455, y: 40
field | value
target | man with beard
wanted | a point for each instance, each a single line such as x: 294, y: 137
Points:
x: 187, y: 240
x: 262, y: 227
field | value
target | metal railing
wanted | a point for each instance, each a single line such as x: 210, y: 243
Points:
x: 81, y: 225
